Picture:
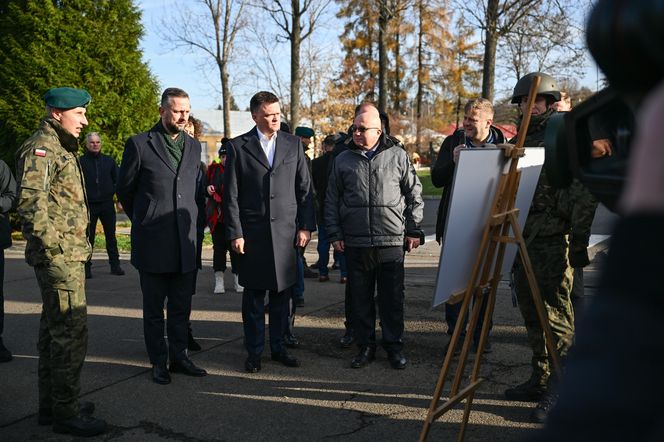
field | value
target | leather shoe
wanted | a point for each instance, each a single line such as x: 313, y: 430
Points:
x: 82, y: 425
x: 347, y: 339
x: 160, y: 374
x: 343, y: 280
x: 362, y: 359
x: 291, y: 341
x: 286, y: 359
x: 185, y: 366
x: 253, y: 364
x: 323, y: 278
x: 45, y: 415
x: 299, y: 302
x: 117, y: 270
x: 308, y: 273
x: 397, y: 360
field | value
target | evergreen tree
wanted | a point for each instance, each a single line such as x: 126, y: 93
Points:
x: 90, y: 44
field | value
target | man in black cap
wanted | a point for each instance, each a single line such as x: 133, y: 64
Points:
x: 101, y: 175
x: 54, y: 215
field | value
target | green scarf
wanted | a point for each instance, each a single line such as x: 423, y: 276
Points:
x: 174, y: 147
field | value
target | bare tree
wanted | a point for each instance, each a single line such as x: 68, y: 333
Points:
x: 212, y: 32
x: 289, y: 19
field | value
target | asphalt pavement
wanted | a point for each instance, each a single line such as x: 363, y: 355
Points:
x: 322, y: 399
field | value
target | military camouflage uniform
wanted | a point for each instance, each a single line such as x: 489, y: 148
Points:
x: 547, y: 233
x: 54, y: 215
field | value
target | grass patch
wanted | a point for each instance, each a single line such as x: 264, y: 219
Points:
x: 124, y: 241
x: 428, y: 188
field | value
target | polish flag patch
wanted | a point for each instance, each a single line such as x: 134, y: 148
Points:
x: 40, y: 152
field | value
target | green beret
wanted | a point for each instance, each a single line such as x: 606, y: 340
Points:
x: 67, y: 98
x: 302, y: 131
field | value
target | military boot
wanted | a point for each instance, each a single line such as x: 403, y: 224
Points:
x: 81, y: 425
x: 544, y: 406
x: 531, y: 390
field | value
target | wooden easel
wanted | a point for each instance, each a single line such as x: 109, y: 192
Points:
x: 484, y: 283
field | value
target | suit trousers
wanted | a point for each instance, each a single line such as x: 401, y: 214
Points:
x: 156, y: 287
x: 253, y: 319
x: 105, y: 212
x: 381, y: 268
x: 2, y: 292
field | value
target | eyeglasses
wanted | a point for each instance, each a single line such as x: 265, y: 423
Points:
x: 355, y: 129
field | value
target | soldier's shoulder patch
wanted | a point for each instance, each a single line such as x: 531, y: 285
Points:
x: 40, y: 151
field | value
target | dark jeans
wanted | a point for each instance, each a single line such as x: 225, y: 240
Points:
x: 380, y: 268
x: 220, y: 246
x: 324, y: 254
x: 105, y: 212
x: 156, y: 287
x: 253, y: 319
x: 452, y: 312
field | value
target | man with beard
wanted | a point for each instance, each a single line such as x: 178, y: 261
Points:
x: 157, y: 187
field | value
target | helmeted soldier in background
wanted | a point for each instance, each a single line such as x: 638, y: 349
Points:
x: 550, y: 240
x: 53, y: 211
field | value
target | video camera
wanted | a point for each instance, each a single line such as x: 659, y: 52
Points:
x: 626, y: 39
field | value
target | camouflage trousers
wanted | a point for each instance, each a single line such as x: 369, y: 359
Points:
x: 554, y: 277
x: 63, y: 337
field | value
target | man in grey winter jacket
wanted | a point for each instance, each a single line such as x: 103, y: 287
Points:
x: 373, y: 208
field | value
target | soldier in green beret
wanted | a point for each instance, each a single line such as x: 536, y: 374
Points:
x: 53, y: 211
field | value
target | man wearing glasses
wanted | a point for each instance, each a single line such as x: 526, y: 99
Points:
x: 373, y: 208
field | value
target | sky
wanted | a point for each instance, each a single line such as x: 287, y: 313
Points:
x: 191, y: 71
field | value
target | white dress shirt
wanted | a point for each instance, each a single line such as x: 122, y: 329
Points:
x: 268, y: 145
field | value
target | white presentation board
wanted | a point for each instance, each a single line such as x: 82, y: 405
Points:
x: 473, y: 188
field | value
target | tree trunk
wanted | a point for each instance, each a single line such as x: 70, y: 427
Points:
x: 420, y: 76
x: 382, y: 58
x: 226, y: 98
x: 397, y: 74
x: 491, y: 42
x: 296, y: 39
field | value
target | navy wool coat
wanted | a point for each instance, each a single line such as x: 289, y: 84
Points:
x: 267, y: 206
x: 161, y: 202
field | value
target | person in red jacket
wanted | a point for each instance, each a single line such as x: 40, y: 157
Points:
x: 215, y: 221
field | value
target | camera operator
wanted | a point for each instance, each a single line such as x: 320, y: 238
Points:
x: 613, y: 386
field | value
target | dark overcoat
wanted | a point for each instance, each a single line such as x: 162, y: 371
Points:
x: 161, y: 202
x: 267, y: 206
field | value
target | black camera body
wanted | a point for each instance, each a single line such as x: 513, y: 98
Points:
x: 626, y: 39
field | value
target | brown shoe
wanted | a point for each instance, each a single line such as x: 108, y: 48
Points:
x: 343, y: 280
x: 323, y: 278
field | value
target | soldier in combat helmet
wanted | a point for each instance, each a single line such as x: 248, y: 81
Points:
x: 556, y: 233
x: 53, y: 211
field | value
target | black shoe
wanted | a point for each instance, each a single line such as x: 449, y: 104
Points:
x: 185, y: 366
x: 308, y: 273
x: 397, y: 360
x: 160, y: 374
x: 45, y: 415
x: 291, y: 341
x: 82, y: 425
x: 286, y: 359
x: 117, y: 270
x: 5, y: 354
x: 252, y: 364
x: 544, y: 406
x: 530, y: 391
x: 299, y: 302
x: 347, y: 339
x: 192, y: 345
x: 362, y: 359
x: 88, y: 271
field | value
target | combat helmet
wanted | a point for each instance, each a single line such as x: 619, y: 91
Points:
x: 548, y: 86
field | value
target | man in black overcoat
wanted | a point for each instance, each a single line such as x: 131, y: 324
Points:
x: 269, y: 211
x: 157, y: 187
